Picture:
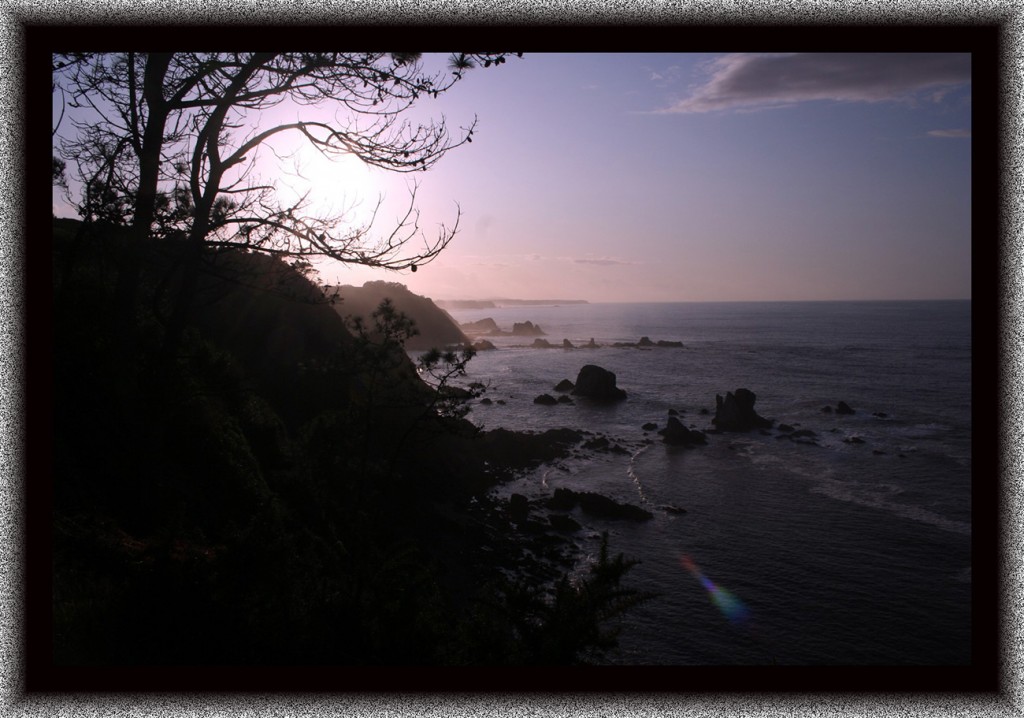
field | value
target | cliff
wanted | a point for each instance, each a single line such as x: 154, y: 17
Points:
x: 274, y: 490
x: 436, y: 327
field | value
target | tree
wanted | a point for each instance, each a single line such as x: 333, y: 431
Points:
x: 516, y: 622
x: 176, y: 138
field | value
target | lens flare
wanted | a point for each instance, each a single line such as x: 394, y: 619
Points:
x: 731, y: 607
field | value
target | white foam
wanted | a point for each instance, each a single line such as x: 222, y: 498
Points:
x: 877, y: 496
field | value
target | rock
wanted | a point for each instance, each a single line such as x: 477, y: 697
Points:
x: 646, y: 343
x: 704, y: 411
x: 486, y: 400
x: 596, y: 505
x: 518, y: 507
x: 602, y: 443
x: 483, y: 326
x: 786, y: 428
x: 564, y: 386
x: 562, y: 500
x: 853, y: 440
x: 564, y: 399
x: 649, y: 426
x: 801, y: 436
x: 672, y: 509
x: 546, y: 400
x: 513, y: 450
x: 591, y: 344
x: 673, y: 412
x: 603, y: 507
x: 526, y: 329
x: 736, y: 412
x: 541, y: 344
x: 455, y: 392
x: 880, y: 415
x: 843, y: 408
x: 482, y: 345
x: 826, y: 410
x: 562, y: 522
x: 677, y: 434
x: 566, y: 344
x: 596, y: 383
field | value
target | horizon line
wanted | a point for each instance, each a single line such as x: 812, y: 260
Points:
x: 709, y: 301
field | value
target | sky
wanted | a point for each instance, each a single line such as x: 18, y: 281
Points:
x: 691, y: 177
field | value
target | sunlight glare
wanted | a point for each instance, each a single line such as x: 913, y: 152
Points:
x: 336, y: 186
x: 731, y: 607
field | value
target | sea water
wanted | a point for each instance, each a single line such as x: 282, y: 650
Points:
x: 854, y: 549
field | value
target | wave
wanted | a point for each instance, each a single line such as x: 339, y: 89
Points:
x: 878, y: 496
x: 632, y: 474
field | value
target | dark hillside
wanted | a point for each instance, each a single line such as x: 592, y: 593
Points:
x: 277, y: 325
x: 436, y: 327
x: 277, y: 490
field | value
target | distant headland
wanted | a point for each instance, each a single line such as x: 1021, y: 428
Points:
x: 495, y: 303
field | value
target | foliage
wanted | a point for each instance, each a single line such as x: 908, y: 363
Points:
x: 59, y: 177
x: 195, y: 522
x: 169, y: 143
x: 438, y: 368
x: 517, y: 623
x: 177, y: 137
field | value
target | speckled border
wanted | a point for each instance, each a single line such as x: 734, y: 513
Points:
x: 14, y: 700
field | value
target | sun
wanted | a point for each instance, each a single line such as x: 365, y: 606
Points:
x: 335, y: 186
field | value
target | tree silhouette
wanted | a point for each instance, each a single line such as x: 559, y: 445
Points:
x: 177, y: 137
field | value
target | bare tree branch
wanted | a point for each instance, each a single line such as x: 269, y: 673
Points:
x: 194, y: 125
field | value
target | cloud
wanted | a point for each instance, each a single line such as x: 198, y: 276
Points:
x: 663, y: 77
x: 763, y: 81
x: 956, y: 134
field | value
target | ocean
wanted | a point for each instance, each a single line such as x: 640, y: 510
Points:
x: 851, y: 550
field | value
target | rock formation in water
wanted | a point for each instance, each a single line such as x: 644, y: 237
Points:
x: 736, y: 412
x: 596, y: 505
x: 678, y: 435
x: 646, y: 343
x: 597, y: 383
x: 526, y: 329
x: 481, y: 326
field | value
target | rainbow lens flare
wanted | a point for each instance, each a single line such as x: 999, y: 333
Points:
x: 731, y: 607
